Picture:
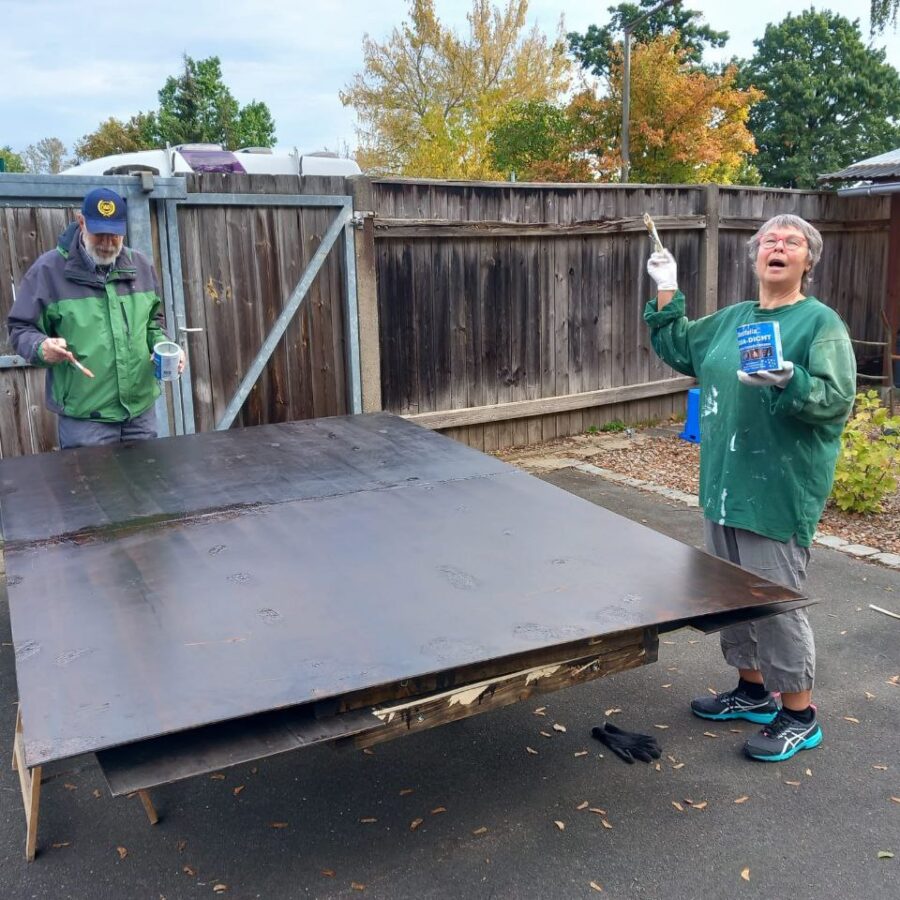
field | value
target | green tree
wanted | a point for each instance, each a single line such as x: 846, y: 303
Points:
x: 427, y: 98
x: 197, y: 107
x: 829, y: 99
x: 12, y: 160
x: 881, y: 13
x: 46, y: 157
x: 538, y: 141
x: 116, y: 136
x: 594, y: 48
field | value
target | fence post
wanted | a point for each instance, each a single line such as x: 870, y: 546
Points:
x: 709, y: 252
x: 366, y: 291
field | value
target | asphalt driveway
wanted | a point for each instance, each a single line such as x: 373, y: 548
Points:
x: 327, y: 824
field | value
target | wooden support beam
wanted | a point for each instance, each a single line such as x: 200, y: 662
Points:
x: 149, y: 808
x: 448, y: 228
x: 30, y: 784
x: 739, y: 223
x: 709, y: 253
x: 495, y: 693
x: 520, y: 409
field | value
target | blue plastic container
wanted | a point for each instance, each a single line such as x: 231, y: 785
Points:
x: 692, y: 421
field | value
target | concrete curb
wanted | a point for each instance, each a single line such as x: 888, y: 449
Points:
x: 860, y: 551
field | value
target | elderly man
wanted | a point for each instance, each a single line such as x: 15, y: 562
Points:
x: 89, y: 311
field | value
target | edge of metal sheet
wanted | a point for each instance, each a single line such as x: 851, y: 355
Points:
x: 713, y: 622
x: 200, y: 751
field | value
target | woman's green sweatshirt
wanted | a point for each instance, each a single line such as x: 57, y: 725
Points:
x: 767, y: 455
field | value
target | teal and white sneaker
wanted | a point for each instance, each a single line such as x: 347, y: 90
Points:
x: 784, y: 738
x: 736, y: 705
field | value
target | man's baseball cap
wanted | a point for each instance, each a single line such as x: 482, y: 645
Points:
x: 104, y: 212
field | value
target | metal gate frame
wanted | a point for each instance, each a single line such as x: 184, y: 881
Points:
x: 343, y: 222
x: 138, y: 190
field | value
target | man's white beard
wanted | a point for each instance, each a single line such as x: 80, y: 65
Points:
x: 99, y: 258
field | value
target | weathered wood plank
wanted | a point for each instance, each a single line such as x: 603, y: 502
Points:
x: 551, y: 405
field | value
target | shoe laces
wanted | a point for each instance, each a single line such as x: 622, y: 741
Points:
x: 779, y: 725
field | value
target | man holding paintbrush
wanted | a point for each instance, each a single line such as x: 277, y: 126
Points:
x: 89, y: 311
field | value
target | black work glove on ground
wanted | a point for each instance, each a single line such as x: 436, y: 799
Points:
x: 627, y: 745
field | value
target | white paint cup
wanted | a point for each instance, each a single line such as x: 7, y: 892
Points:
x: 166, y: 355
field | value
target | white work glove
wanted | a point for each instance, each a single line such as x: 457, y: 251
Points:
x: 662, y: 269
x: 777, y: 379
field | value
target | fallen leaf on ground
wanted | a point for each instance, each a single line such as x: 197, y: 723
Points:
x: 540, y: 711
x: 793, y: 783
x: 356, y: 886
x: 880, y: 768
x: 869, y: 696
x: 405, y: 791
x: 366, y: 820
x: 328, y: 873
x: 667, y: 642
x: 597, y: 810
x: 885, y: 854
x: 612, y: 711
x: 583, y: 805
x: 531, y: 750
x: 580, y: 753
x: 701, y: 805
x: 743, y: 799
x: 369, y: 751
x: 481, y: 830
x: 438, y: 810
x: 657, y: 768
x: 710, y: 734
x: 896, y: 799
x: 70, y: 787
x: 606, y: 823
x: 180, y: 846
x: 253, y: 770
x: 596, y: 887
x: 667, y: 685
x: 237, y: 790
x: 415, y: 824
x: 745, y: 874
x: 736, y: 730
x: 60, y: 844
x: 558, y: 727
x: 713, y: 692
x: 217, y: 776
x: 122, y: 851
x: 855, y: 721
x: 678, y: 766
x: 661, y: 727
x: 280, y: 824
x: 560, y: 825
x: 677, y: 806
x: 545, y: 734
x: 96, y: 793
x: 220, y: 888
x: 189, y: 870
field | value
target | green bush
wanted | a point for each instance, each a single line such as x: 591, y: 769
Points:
x: 869, y: 459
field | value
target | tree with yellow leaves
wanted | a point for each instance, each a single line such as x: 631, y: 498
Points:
x: 427, y: 99
x: 686, y: 126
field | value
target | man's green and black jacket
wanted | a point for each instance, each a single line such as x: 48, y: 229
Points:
x: 110, y: 321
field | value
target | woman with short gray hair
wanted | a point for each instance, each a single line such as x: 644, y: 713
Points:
x: 769, y: 441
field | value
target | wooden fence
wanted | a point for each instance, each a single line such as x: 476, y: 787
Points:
x: 513, y: 313
x: 504, y: 314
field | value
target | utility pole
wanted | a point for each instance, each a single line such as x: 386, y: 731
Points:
x: 626, y: 82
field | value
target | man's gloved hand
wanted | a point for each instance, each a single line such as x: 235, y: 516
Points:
x: 627, y: 745
x: 662, y: 269
x: 777, y: 379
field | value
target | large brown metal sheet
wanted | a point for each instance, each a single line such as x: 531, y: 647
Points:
x: 132, y: 633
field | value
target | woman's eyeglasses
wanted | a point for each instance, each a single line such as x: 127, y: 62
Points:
x: 790, y: 243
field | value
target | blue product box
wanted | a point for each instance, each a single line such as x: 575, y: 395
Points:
x: 760, y: 347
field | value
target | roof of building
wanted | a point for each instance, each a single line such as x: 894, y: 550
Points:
x: 885, y: 165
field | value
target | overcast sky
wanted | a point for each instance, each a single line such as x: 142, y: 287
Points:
x: 68, y: 65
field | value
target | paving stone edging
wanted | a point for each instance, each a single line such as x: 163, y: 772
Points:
x: 860, y: 551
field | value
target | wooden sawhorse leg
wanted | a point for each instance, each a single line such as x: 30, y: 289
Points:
x: 149, y: 808
x: 30, y: 782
